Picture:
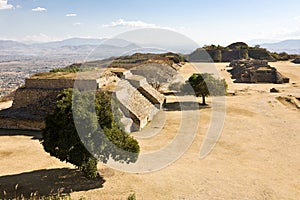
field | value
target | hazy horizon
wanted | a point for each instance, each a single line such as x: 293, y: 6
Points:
x: 221, y: 22
x: 249, y: 42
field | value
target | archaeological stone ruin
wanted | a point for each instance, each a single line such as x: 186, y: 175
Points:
x: 255, y: 71
x: 138, y: 101
x: 296, y: 61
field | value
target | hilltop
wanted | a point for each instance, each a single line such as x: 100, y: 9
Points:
x: 235, y: 51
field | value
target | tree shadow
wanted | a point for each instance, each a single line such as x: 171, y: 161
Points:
x: 182, y: 106
x: 45, y: 183
x: 36, y: 135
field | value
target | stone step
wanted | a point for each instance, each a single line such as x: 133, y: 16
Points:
x: 134, y: 104
x: 147, y: 90
x: 152, y: 95
x: 137, y: 81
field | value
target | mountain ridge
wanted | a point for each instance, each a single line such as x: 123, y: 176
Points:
x: 291, y: 46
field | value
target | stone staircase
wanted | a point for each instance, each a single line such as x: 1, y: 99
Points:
x: 138, y: 101
x: 134, y: 105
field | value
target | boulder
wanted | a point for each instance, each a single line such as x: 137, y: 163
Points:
x: 274, y: 90
x: 296, y: 61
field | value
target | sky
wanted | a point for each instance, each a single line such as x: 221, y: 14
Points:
x: 204, y: 21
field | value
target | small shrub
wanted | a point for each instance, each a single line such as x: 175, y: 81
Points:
x: 76, y: 67
x: 131, y: 197
x: 89, y: 168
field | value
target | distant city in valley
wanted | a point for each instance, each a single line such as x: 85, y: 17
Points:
x: 18, y: 60
x: 13, y: 72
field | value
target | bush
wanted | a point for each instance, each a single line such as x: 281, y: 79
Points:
x: 131, y: 197
x: 89, y: 168
x: 76, y: 67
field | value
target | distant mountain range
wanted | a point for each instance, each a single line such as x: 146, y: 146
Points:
x: 85, y: 42
x: 288, y: 46
x: 86, y: 48
x: 92, y: 48
x: 81, y: 48
x: 9, y: 44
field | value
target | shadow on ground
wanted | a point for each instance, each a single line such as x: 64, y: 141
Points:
x: 36, y: 135
x: 46, y: 183
x: 181, y: 106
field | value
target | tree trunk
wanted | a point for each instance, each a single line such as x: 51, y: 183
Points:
x: 203, y: 100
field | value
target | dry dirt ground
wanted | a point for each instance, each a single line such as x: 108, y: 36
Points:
x: 256, y: 157
x: 5, y: 105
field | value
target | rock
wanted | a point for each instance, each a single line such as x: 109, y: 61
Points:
x: 274, y: 90
x: 296, y: 61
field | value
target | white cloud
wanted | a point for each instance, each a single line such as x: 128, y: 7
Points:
x: 71, y: 15
x: 297, y: 18
x: 77, y: 24
x: 4, y: 5
x: 39, y: 9
x: 136, y: 24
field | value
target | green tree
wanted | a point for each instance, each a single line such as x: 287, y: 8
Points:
x: 100, y: 137
x: 257, y: 46
x: 206, y: 84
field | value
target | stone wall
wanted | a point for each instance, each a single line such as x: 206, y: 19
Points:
x: 255, y: 71
x: 40, y: 98
x: 35, y: 83
x: 263, y: 76
x: 32, y: 103
x: 23, y: 124
x: 49, y: 83
x: 260, y: 54
x: 227, y: 55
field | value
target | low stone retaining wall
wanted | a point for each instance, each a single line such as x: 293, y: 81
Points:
x: 82, y: 84
x: 23, y: 124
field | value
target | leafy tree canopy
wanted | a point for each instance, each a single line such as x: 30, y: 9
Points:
x: 206, y: 84
x: 86, y: 131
